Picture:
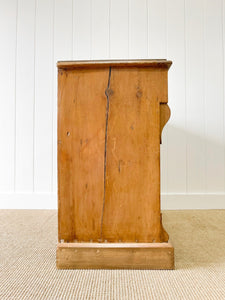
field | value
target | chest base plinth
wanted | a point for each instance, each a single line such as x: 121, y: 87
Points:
x: 155, y: 256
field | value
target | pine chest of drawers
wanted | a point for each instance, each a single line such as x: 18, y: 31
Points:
x: 110, y: 118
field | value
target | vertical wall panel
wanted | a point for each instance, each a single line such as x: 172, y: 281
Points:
x: 157, y: 48
x: 63, y: 30
x: 223, y: 41
x: 8, y: 18
x: 63, y: 50
x: 138, y: 37
x: 195, y: 107
x: 119, y: 29
x: 100, y: 29
x: 214, y: 96
x: 176, y: 158
x: 43, y: 96
x: 82, y: 29
x: 25, y: 96
x: 36, y: 33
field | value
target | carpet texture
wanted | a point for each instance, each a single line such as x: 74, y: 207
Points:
x: 28, y: 271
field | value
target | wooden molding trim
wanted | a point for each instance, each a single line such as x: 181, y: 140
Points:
x: 154, y: 256
x: 154, y: 63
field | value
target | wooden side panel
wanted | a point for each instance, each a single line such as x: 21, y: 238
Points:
x: 131, y: 210
x: 81, y: 148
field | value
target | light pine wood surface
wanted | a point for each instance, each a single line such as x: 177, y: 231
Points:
x: 153, y: 256
x: 110, y: 118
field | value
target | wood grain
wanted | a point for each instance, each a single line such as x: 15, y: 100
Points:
x: 110, y: 119
x: 81, y: 148
x: 132, y: 184
x: 115, y: 256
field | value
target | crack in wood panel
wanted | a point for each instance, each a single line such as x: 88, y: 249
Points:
x: 132, y: 185
x: 107, y: 93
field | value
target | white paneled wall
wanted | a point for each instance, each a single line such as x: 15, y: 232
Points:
x: 34, y: 34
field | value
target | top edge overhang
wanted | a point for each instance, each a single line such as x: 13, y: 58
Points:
x: 149, y: 63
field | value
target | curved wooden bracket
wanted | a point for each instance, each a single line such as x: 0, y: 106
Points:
x: 164, y: 117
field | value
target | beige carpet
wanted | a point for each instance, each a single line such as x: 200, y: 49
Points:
x: 27, y: 261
